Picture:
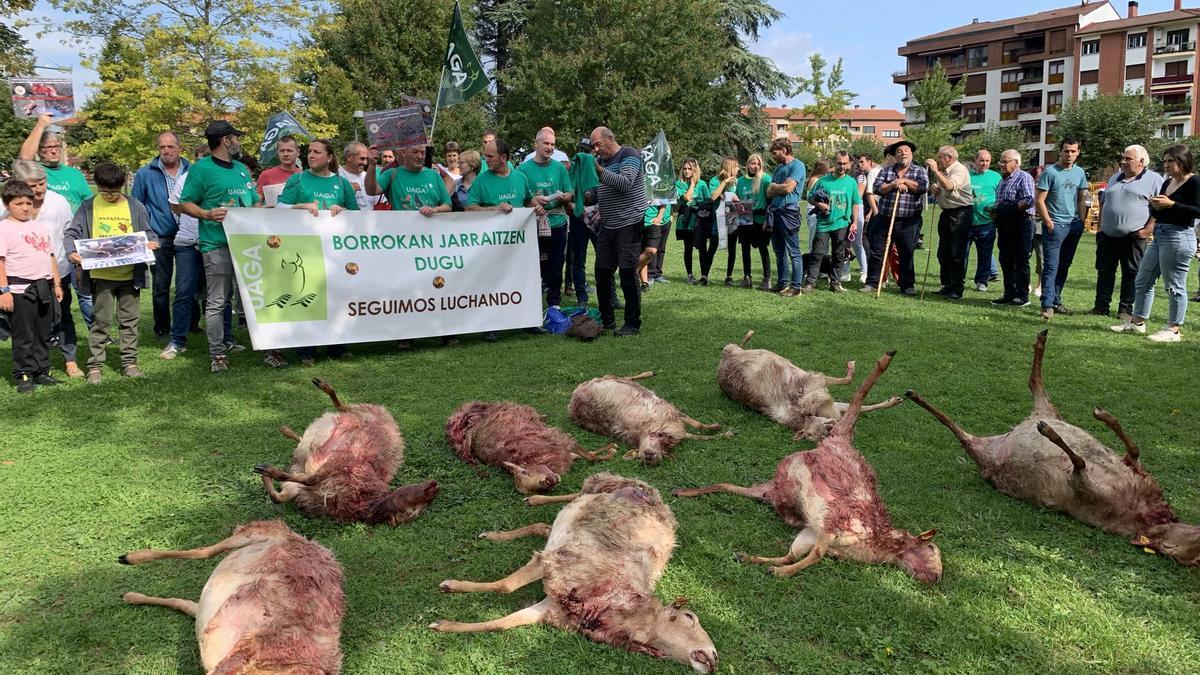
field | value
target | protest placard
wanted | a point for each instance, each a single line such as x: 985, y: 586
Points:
x: 125, y: 249
x: 396, y: 129
x: 33, y: 97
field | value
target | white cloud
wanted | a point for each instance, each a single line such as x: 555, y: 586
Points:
x: 60, y: 50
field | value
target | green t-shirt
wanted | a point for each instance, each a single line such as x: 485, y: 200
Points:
x: 652, y: 213
x: 490, y: 190
x: 307, y: 188
x: 984, y: 185
x: 698, y: 195
x: 410, y: 190
x: 210, y: 185
x: 843, y: 196
x: 546, y: 180
x: 745, y: 193
x: 68, y: 182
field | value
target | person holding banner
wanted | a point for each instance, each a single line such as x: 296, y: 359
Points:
x: 214, y: 184
x: 621, y: 198
x: 354, y: 169
x: 319, y: 188
x: 48, y: 148
x: 552, y: 188
x: 272, y: 181
x: 410, y: 186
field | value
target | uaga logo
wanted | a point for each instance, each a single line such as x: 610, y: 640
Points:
x: 461, y: 78
x: 283, y: 275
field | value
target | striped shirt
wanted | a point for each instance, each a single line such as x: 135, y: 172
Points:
x: 1014, y: 188
x: 912, y: 202
x: 621, y: 194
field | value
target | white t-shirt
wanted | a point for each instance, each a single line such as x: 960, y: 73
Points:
x: 358, y: 180
x: 189, y: 227
x: 56, y: 215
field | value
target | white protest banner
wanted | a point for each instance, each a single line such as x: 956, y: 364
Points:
x: 370, y: 276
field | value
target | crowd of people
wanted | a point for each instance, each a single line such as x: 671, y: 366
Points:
x: 858, y: 212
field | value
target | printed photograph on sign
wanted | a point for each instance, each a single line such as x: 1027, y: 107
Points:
x: 284, y: 276
x: 425, y: 105
x: 125, y: 249
x: 396, y: 129
x: 34, y: 97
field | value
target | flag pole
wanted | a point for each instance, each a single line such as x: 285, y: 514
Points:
x: 437, y: 102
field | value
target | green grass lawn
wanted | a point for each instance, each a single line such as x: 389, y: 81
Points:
x: 87, y: 473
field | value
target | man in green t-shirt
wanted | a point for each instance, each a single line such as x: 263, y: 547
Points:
x: 410, y: 186
x: 839, y: 215
x: 215, y: 183
x: 47, y: 147
x: 984, y: 182
x: 552, y: 191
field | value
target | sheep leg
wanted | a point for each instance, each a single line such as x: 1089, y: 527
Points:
x: 531, y: 572
x: 1052, y: 436
x: 1132, y: 451
x: 324, y: 386
x: 148, y: 555
x: 829, y: 381
x: 890, y: 403
x: 285, y: 477
x: 186, y: 606
x: 534, y: 530
x: 698, y: 437
x: 287, y: 494
x: 639, y: 376
x: 749, y: 334
x: 757, y: 560
x: 288, y: 433
x: 1042, y: 407
x: 819, y: 546
x: 602, y: 454
x: 699, y: 425
x: 524, y: 617
x: 974, y: 446
x: 538, y: 500
x: 755, y: 492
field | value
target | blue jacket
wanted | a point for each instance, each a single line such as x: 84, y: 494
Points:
x: 150, y: 188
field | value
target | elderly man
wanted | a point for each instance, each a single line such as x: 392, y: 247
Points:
x: 984, y: 182
x: 410, y: 186
x: 1014, y: 228
x: 621, y: 197
x: 951, y: 186
x: 552, y: 191
x: 152, y: 186
x: 1061, y: 190
x: 48, y: 148
x: 354, y: 169
x: 901, y: 188
x: 1124, y: 229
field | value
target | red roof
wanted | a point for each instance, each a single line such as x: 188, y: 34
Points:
x: 1015, y: 23
x: 884, y: 114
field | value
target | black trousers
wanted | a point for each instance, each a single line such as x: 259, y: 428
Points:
x: 904, y: 238
x: 705, y: 240
x: 619, y: 248
x: 954, y: 226
x: 1111, y: 252
x: 31, y: 323
x: 824, y: 245
x: 656, y: 265
x: 1014, y: 239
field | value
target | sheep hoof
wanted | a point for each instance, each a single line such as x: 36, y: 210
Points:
x: 446, y: 586
x: 124, y: 559
x: 740, y: 557
x: 437, y: 625
x: 261, y: 469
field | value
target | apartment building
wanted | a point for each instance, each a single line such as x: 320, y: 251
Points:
x: 880, y: 123
x: 1016, y: 72
x: 1151, y: 54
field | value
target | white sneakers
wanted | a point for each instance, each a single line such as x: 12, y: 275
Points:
x: 1128, y: 327
x: 1165, y: 335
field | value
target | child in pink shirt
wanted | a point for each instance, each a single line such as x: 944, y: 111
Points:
x: 30, y: 288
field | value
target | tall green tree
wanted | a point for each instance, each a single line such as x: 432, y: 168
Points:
x: 642, y: 78
x: 830, y: 98
x: 15, y: 56
x: 499, y: 25
x: 756, y: 77
x: 939, y: 123
x: 1106, y: 124
x: 993, y: 138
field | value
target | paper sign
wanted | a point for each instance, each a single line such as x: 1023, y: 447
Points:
x: 126, y: 249
x: 396, y: 129
x: 34, y: 97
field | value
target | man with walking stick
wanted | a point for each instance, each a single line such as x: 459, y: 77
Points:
x: 951, y: 186
x: 901, y: 190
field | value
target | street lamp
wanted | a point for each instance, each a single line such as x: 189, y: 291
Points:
x: 358, y: 115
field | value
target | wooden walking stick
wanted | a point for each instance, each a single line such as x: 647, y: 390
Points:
x: 887, y: 247
x: 928, y: 257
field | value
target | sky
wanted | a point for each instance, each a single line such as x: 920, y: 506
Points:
x: 865, y: 34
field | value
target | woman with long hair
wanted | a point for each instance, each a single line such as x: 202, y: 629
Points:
x: 726, y: 183
x: 752, y: 218
x: 693, y: 193
x: 819, y: 169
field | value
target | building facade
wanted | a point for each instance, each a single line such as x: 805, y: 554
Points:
x: 880, y: 123
x: 1016, y: 72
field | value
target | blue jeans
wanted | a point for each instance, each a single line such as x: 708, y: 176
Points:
x: 67, y: 337
x: 785, y: 240
x: 1058, y: 250
x: 578, y: 237
x: 189, y: 265
x: 1170, y: 256
x: 85, y: 302
x: 985, y: 239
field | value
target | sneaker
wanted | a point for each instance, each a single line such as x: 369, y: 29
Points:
x: 691, y: 280
x: 492, y: 336
x: 909, y: 291
x: 234, y: 348
x: 729, y: 281
x: 661, y: 280
x: 982, y: 288
x: 1047, y: 313
x: 952, y: 295
x: 73, y: 370
x: 1003, y: 300
x: 1165, y: 335
x: 220, y: 364
x: 131, y: 370
x: 806, y: 288
x: 1019, y: 302
x: 645, y: 286
x: 274, y: 359
x: 93, y: 376
x: 626, y: 331
x: 45, y: 380
x: 993, y: 277
x: 789, y: 292
x: 862, y: 278
x: 1124, y: 316
x: 24, y: 384
x: 766, y: 285
x: 609, y: 328
x: 747, y: 283
x: 867, y: 289
x: 1062, y: 309
x: 1037, y: 292
x: 944, y: 290
x: 836, y: 287
x: 1099, y: 311
x: 1129, y: 327
x: 171, y: 352
x: 703, y: 281
x: 845, y: 276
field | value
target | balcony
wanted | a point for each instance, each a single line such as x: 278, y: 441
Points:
x: 1177, y: 109
x: 1165, y: 80
x: 1174, y: 48
x: 1055, y: 78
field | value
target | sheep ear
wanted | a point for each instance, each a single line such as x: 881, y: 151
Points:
x: 926, y: 535
x: 512, y: 467
x: 679, y: 603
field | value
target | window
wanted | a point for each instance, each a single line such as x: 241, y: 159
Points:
x: 1173, y: 131
x: 1058, y: 41
x: 976, y: 85
x: 977, y: 57
x: 1091, y: 47
x: 1056, y: 69
x: 891, y: 133
x: 1176, y: 68
x: 1177, y: 37
x: 1054, y: 101
x: 1137, y: 41
x: 782, y: 126
x: 868, y: 129
x: 1089, y: 77
x: 1135, y: 72
x: 973, y: 113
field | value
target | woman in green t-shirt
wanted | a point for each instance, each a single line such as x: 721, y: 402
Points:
x: 720, y: 188
x: 751, y: 194
x: 320, y: 188
x: 693, y: 192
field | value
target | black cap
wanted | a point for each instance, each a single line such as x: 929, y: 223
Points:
x: 221, y: 128
x: 890, y: 150
x: 585, y: 143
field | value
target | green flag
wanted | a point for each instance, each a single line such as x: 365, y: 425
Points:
x: 660, y: 170
x: 280, y: 124
x: 462, y: 75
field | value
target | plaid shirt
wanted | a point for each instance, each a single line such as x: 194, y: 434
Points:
x: 1015, y: 188
x: 911, y: 203
x: 171, y: 181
